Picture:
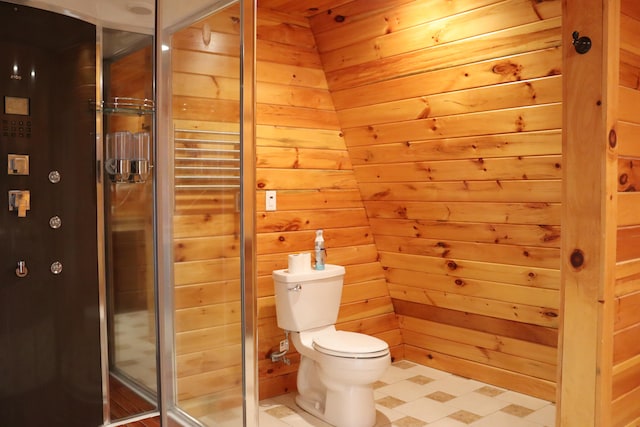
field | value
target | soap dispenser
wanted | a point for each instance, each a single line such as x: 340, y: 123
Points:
x: 319, y: 249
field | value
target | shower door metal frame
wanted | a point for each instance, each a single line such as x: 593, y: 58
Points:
x: 102, y: 245
x: 171, y: 415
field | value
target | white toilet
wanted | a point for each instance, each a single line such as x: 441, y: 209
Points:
x: 337, y: 368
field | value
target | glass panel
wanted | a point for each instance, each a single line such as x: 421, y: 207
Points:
x: 205, y: 77
x: 128, y: 134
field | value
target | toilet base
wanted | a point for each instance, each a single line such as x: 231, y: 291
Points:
x: 313, y: 407
x: 335, y: 412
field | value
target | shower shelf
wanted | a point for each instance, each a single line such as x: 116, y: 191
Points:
x: 124, y: 105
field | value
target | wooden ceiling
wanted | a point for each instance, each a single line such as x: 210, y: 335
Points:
x: 310, y: 8
x: 302, y: 7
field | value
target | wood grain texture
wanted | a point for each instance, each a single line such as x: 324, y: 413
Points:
x: 588, y: 298
x: 302, y: 155
x: 452, y: 116
x: 429, y: 147
x: 206, y: 229
x: 626, y: 353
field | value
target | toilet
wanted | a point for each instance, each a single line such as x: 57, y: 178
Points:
x: 337, y: 368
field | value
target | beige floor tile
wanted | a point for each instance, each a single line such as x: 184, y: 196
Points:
x: 389, y: 402
x: 440, y: 396
x: 408, y: 422
x: 465, y: 417
x: 517, y: 410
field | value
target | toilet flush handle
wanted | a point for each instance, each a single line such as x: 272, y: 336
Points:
x: 296, y: 288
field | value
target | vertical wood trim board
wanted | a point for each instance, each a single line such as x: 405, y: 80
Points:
x: 588, y: 239
x: 626, y: 352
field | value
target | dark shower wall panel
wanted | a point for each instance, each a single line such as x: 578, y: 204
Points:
x: 49, y: 323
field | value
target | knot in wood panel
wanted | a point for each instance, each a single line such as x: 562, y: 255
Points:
x: 623, y: 179
x: 577, y: 258
x: 508, y: 68
x: 613, y: 138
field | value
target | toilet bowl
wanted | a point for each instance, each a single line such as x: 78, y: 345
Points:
x: 337, y: 368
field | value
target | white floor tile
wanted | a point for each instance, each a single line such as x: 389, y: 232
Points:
x: 502, y: 419
x: 304, y: 419
x: 267, y: 420
x: 545, y: 416
x: 454, y: 385
x: 446, y: 422
x: 403, y: 390
x: 394, y: 374
x: 426, y: 409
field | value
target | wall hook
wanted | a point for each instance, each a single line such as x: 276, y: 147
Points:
x: 581, y: 44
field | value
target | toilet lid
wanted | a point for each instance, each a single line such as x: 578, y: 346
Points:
x: 351, y: 345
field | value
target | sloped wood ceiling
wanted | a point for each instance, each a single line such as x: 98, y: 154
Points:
x: 309, y: 8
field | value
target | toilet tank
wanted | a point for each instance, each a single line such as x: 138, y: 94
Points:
x: 310, y: 299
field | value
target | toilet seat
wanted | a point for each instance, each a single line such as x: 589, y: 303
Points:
x: 352, y: 345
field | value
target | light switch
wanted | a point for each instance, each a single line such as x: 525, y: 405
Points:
x: 270, y: 200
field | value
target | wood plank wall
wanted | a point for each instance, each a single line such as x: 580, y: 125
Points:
x: 626, y: 358
x: 301, y: 154
x: 451, y: 112
x: 207, y: 293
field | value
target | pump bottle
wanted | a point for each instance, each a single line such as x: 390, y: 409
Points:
x: 319, y: 249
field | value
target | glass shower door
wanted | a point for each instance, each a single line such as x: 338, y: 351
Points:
x: 207, y: 212
x: 128, y: 112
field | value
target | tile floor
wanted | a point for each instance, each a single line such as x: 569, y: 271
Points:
x: 411, y: 395
x: 135, y: 347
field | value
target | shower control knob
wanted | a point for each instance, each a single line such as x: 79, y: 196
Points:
x: 54, y: 177
x: 22, y: 270
x: 55, y: 222
x: 56, y: 267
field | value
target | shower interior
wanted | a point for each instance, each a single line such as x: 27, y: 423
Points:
x: 128, y: 112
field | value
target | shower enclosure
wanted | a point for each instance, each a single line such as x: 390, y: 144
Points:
x: 49, y: 294
x: 127, y: 226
